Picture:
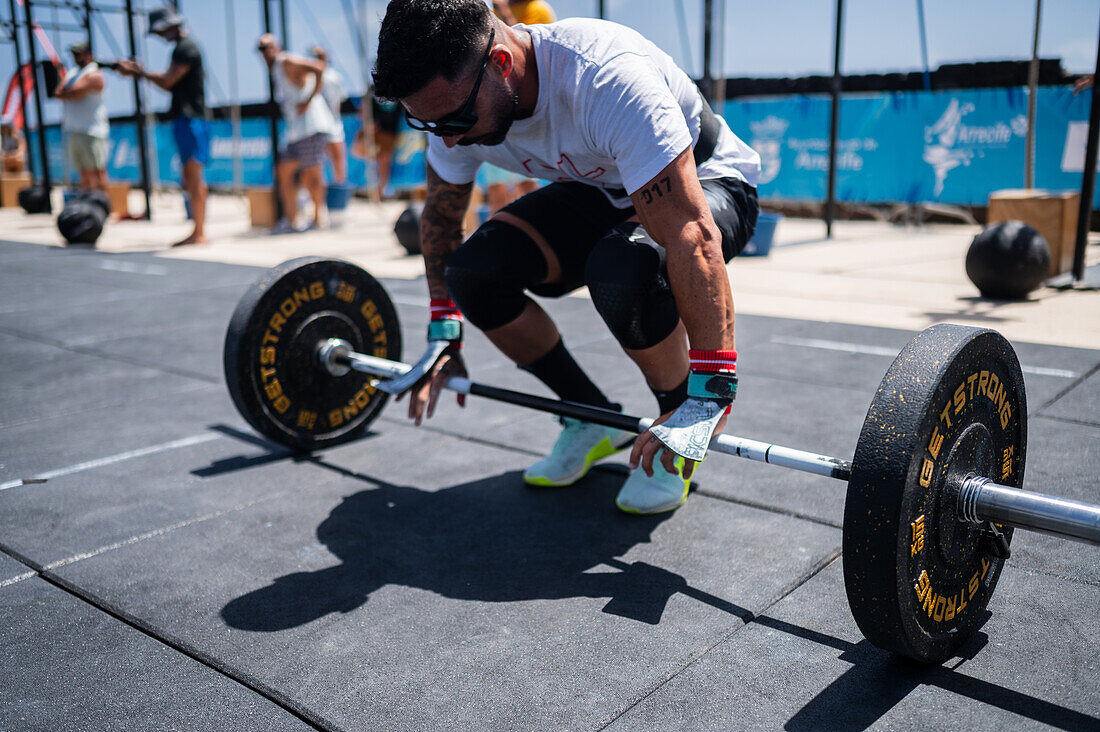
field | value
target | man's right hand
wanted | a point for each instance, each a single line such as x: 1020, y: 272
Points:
x: 425, y: 393
x: 126, y: 67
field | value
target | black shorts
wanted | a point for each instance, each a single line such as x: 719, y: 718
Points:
x: 572, y: 217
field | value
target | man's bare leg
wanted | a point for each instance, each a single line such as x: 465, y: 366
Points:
x: 315, y: 184
x: 288, y: 192
x: 338, y: 153
x: 195, y: 186
x: 665, y: 365
x: 527, y: 338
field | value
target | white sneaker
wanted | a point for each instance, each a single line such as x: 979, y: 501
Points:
x: 579, y: 445
x: 665, y: 491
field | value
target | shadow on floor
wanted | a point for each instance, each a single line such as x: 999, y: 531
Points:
x: 486, y: 541
x: 878, y: 681
x: 489, y: 541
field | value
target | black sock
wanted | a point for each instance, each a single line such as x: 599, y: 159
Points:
x: 566, y: 378
x: 668, y: 401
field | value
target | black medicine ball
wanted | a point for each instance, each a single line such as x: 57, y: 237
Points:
x: 34, y: 199
x: 97, y: 198
x: 407, y: 228
x: 81, y: 222
x: 1007, y: 260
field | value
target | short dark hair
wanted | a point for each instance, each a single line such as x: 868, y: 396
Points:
x: 422, y: 39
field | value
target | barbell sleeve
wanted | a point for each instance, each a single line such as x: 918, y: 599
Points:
x: 981, y: 500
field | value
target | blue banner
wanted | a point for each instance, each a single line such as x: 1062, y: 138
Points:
x: 950, y: 147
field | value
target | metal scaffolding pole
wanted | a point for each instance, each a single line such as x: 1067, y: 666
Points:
x: 834, y: 123
x: 273, y: 117
x: 286, y: 25
x: 88, y: 25
x: 708, y: 42
x: 1032, y: 94
x: 139, y: 114
x: 1088, y: 183
x: 234, y: 95
x: 29, y: 17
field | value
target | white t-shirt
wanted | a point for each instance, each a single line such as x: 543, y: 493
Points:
x: 613, y: 111
x: 87, y: 114
x: 333, y: 89
x: 318, y: 117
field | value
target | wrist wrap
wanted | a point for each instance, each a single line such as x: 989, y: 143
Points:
x: 446, y: 322
x: 713, y: 375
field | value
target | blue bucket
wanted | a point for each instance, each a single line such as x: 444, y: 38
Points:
x: 337, y: 195
x: 69, y: 194
x: 761, y: 242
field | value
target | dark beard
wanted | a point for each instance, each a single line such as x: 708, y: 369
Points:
x: 501, y: 124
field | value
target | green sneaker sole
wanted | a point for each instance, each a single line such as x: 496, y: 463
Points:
x: 599, y: 451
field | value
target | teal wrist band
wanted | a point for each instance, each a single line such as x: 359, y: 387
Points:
x: 712, y: 386
x: 445, y: 329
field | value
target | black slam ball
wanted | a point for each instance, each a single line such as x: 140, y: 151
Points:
x: 407, y: 228
x: 81, y: 222
x: 98, y: 198
x: 1007, y: 260
x: 34, y: 199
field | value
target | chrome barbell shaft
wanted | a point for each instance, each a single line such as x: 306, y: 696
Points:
x: 336, y: 357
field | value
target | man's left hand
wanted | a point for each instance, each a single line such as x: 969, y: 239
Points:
x: 646, y: 447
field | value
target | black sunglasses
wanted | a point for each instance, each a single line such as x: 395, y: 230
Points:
x: 460, y: 122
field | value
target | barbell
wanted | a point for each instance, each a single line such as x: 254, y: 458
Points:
x: 933, y: 488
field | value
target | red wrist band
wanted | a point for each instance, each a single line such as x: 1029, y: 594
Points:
x: 723, y: 362
x: 444, y: 309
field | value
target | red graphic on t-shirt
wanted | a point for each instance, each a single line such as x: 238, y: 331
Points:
x: 565, y: 165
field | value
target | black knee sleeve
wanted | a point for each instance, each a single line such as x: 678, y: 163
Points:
x: 626, y: 277
x: 487, y: 275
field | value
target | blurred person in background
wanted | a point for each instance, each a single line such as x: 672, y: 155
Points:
x: 309, y: 128
x: 84, y: 117
x: 13, y: 147
x: 185, y: 80
x: 334, y: 91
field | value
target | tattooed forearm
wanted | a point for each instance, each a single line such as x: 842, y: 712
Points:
x: 441, y: 228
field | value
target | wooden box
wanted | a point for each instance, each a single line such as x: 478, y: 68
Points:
x: 10, y: 185
x: 261, y: 206
x: 1052, y: 213
x: 119, y: 193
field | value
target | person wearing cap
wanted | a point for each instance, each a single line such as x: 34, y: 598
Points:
x: 309, y: 127
x: 185, y: 80
x: 334, y: 91
x: 84, y: 119
x: 13, y: 147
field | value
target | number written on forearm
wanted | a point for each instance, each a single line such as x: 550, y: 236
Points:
x: 657, y: 190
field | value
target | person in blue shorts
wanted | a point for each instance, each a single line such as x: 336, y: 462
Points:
x: 185, y: 81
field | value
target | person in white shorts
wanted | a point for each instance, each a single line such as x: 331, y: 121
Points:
x: 335, y: 91
x: 309, y: 127
x: 84, y: 117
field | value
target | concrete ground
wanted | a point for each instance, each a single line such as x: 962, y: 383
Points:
x: 164, y: 567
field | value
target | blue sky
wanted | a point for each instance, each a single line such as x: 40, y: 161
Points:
x: 776, y: 38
